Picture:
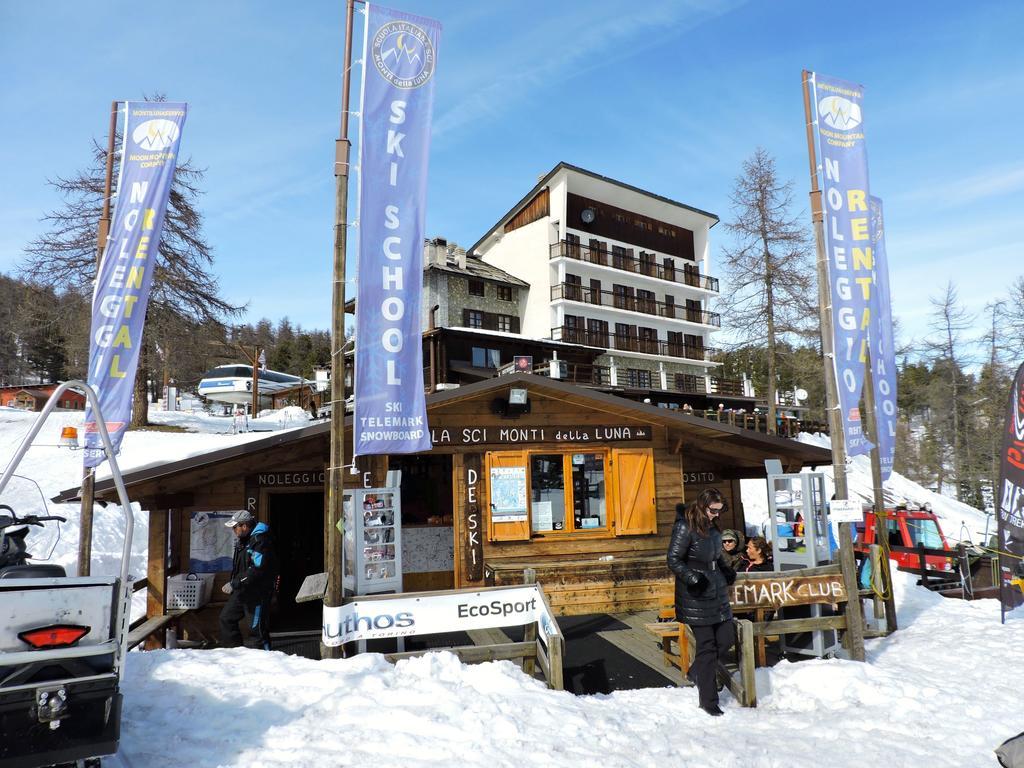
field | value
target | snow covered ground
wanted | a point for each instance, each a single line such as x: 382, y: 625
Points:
x: 943, y: 691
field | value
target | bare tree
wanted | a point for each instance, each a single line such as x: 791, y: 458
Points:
x: 1013, y: 311
x: 947, y: 322
x: 183, y: 285
x: 768, y: 267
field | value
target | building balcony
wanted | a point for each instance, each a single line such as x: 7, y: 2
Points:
x: 587, y: 295
x: 686, y: 276
x: 632, y: 344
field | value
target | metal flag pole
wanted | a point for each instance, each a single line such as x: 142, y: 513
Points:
x: 855, y: 619
x: 89, y: 473
x: 335, y: 489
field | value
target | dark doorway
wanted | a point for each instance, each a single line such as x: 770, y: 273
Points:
x: 297, y: 523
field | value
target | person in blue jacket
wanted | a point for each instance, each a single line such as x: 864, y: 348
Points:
x: 252, y: 583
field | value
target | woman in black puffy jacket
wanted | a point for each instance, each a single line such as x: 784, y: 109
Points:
x: 702, y: 598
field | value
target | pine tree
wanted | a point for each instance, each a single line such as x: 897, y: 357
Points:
x: 768, y: 268
x: 64, y: 258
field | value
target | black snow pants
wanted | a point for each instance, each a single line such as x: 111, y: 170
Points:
x: 713, y: 644
x: 255, y: 609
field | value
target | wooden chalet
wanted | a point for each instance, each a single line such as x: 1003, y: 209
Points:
x: 600, y: 477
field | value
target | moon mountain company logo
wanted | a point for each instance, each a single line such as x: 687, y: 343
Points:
x: 403, y: 54
x: 155, y: 135
x: 839, y: 113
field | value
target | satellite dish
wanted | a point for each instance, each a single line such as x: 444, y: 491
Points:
x: 588, y: 215
x: 800, y: 394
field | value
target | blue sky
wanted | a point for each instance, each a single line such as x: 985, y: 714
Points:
x: 668, y: 96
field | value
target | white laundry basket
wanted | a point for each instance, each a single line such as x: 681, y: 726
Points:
x: 189, y: 590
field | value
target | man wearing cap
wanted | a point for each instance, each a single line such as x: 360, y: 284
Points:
x: 732, y: 548
x: 253, y: 573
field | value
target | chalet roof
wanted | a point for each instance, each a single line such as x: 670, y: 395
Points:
x: 38, y: 394
x: 475, y: 267
x: 576, y: 169
x: 748, y: 447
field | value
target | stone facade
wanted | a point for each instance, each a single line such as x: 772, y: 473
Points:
x: 623, y: 361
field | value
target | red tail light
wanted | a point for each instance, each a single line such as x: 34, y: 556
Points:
x: 54, y: 636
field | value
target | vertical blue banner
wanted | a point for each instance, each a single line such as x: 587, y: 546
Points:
x: 883, y: 351
x: 149, y: 155
x: 840, y: 130
x: 400, y: 52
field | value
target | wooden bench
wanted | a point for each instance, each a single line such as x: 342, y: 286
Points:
x: 152, y: 626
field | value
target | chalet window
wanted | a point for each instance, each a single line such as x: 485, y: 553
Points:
x: 572, y: 245
x: 473, y: 318
x: 573, y: 290
x: 623, y: 296
x: 668, y: 267
x: 647, y: 265
x: 595, y: 291
x: 670, y: 305
x: 603, y: 491
x: 506, y: 293
x: 597, y: 332
x: 507, y: 324
x: 691, y: 274
x: 486, y: 358
x: 645, y: 301
x: 649, y: 340
x: 619, y: 257
x: 476, y: 288
x: 693, y: 311
x: 637, y: 378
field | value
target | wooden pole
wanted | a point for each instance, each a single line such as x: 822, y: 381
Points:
x: 884, y: 572
x: 335, y: 490
x: 88, y: 473
x: 855, y: 632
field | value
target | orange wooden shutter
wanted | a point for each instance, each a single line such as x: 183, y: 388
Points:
x: 636, y: 511
x: 510, y: 531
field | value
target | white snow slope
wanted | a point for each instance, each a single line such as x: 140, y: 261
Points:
x: 943, y: 691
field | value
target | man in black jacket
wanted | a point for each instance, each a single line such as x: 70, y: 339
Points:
x: 253, y: 577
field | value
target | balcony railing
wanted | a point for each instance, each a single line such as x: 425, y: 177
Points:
x: 586, y: 295
x: 577, y: 373
x: 626, y: 263
x: 632, y: 343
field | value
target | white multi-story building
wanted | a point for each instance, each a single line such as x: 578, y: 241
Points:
x: 618, y: 268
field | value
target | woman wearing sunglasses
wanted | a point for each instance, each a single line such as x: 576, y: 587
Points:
x: 701, y: 596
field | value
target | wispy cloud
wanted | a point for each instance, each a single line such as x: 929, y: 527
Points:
x: 566, y: 48
x: 947, y: 193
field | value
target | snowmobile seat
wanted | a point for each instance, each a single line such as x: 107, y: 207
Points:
x: 35, y: 571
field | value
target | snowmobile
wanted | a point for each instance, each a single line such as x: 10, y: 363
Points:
x: 63, y: 639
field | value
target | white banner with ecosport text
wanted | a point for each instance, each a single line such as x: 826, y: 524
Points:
x: 380, y: 616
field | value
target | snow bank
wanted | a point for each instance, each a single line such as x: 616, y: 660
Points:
x: 937, y: 693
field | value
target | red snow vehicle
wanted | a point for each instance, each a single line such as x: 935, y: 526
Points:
x: 908, y: 529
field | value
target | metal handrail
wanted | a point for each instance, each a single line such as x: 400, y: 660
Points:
x: 604, y: 257
x: 586, y: 295
x: 632, y: 343
x: 122, y: 493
